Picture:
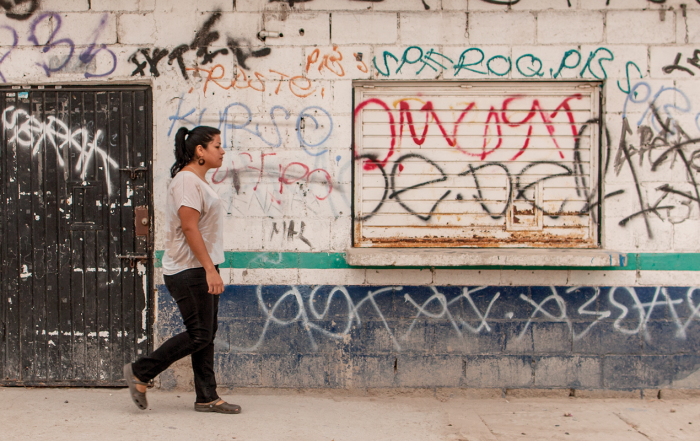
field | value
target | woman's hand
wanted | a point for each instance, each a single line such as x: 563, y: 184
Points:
x: 216, y: 284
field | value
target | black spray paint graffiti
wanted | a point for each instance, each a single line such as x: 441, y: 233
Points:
x: 568, y: 2
x: 665, y: 143
x: 425, y: 5
x: 288, y: 232
x: 517, y: 184
x: 203, y: 38
x: 513, y: 2
x: 292, y: 2
x: 201, y: 43
x: 242, y: 50
x: 662, y: 143
x: 19, y: 9
x: 693, y: 61
x: 676, y: 210
x: 665, y: 147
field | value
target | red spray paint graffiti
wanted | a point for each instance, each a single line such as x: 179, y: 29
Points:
x: 494, y: 117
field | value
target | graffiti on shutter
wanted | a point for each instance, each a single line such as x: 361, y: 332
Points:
x: 508, y: 164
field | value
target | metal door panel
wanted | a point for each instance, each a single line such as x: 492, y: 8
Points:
x: 127, y: 216
x: 53, y: 177
x: 140, y: 187
x: 105, y: 370
x: 11, y: 262
x: 115, y: 264
x: 75, y: 311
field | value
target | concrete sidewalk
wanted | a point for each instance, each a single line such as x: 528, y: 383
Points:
x: 108, y: 414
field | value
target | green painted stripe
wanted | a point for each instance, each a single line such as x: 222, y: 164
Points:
x: 669, y: 262
x: 253, y: 259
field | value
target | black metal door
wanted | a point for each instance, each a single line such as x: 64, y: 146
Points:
x: 76, y: 288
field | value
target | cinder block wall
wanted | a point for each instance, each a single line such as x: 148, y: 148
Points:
x: 452, y: 336
x: 624, y: 328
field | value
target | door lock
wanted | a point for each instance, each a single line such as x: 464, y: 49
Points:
x: 133, y: 258
x: 141, y: 221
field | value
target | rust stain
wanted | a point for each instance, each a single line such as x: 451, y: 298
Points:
x: 535, y: 239
x: 358, y: 233
x: 530, y: 212
x: 567, y: 213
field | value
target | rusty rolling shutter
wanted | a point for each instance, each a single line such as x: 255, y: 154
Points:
x: 507, y: 164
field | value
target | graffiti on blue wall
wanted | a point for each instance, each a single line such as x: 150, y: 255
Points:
x: 645, y: 316
x: 426, y: 336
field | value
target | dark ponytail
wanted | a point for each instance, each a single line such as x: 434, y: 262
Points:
x: 186, y: 141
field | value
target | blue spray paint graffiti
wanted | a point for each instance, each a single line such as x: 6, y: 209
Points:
x: 306, y: 113
x: 57, y: 40
x: 310, y: 138
x: 677, y: 104
x: 223, y: 122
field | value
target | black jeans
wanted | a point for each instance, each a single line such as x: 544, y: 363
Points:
x: 199, y: 311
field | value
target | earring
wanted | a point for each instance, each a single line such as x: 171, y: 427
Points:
x: 201, y: 161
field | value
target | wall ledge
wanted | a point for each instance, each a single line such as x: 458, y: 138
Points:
x: 431, y: 257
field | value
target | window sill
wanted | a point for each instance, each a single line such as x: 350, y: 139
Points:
x: 431, y: 257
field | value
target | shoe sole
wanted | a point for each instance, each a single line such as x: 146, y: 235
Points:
x: 128, y: 376
x: 214, y: 410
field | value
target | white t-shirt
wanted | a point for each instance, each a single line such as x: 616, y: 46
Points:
x: 187, y: 190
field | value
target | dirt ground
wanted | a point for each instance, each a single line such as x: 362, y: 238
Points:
x: 108, y: 414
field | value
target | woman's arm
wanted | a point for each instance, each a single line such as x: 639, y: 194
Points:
x: 189, y: 217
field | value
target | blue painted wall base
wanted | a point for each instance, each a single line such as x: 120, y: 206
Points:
x: 616, y: 338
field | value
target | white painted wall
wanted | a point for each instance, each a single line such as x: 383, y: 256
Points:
x: 631, y: 43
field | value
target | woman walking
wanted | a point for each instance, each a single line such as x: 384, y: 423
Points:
x: 193, y: 251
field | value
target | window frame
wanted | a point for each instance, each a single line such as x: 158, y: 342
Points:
x: 597, y: 93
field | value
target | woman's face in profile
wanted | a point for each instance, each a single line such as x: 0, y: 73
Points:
x: 214, y: 154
